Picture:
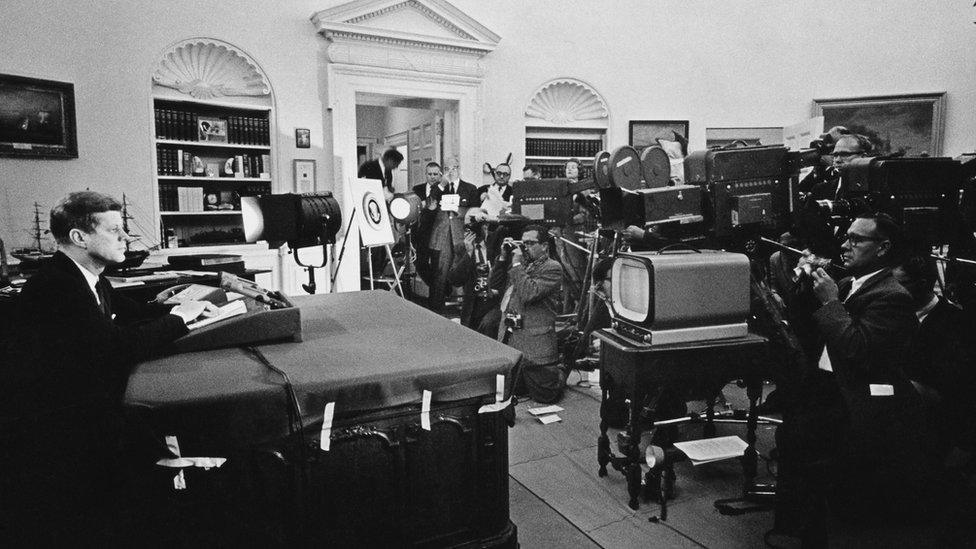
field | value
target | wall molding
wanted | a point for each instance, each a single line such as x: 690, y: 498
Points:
x: 206, y: 69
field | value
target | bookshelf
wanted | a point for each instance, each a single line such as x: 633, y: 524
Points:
x: 208, y: 154
x: 550, y: 148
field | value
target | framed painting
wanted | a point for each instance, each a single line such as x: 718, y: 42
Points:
x: 37, y: 118
x: 896, y: 124
x: 644, y: 133
x: 750, y: 137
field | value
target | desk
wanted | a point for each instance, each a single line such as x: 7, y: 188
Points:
x: 631, y: 371
x: 385, y: 480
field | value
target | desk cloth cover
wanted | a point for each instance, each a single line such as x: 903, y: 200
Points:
x: 365, y: 351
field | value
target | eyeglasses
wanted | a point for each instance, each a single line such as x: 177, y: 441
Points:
x: 856, y: 239
x: 529, y: 242
x: 503, y: 174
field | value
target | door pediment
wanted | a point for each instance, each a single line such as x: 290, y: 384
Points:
x: 423, y: 35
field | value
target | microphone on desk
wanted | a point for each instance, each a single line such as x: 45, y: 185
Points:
x: 250, y: 289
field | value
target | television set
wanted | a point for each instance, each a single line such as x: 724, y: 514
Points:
x: 680, y: 296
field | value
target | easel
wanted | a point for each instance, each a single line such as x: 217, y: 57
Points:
x: 389, y: 254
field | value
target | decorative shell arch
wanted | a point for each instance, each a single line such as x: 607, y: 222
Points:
x: 565, y: 101
x: 210, y: 69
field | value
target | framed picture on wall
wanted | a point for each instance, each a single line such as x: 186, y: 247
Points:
x: 37, y: 118
x: 303, y: 138
x: 304, y: 175
x: 644, y: 133
x: 908, y: 124
x: 750, y: 137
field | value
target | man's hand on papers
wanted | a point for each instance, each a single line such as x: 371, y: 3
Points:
x: 190, y: 310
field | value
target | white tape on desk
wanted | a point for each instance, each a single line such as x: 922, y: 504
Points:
x: 496, y: 407
x: 325, y: 438
x: 425, y: 411
x: 499, y: 388
x: 173, y: 445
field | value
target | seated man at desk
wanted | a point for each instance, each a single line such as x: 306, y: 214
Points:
x: 75, y: 340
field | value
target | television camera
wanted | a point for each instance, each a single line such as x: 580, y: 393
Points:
x: 742, y: 200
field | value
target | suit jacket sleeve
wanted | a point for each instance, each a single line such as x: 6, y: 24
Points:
x: 537, y: 286
x: 462, y: 268
x: 880, y: 325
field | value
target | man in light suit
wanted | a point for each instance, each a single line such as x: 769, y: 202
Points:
x: 532, y: 282
x: 447, y: 231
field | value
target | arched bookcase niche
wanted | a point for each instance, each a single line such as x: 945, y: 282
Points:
x: 565, y: 118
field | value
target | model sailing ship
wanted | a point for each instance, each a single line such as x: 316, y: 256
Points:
x: 30, y: 257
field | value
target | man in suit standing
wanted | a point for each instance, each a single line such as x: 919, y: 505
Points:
x: 447, y: 230
x: 430, y: 193
x: 533, y: 281
x: 382, y: 170
x: 75, y: 341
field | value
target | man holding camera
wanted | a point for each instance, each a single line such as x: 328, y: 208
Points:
x: 533, y: 281
x: 471, y: 269
x: 851, y: 433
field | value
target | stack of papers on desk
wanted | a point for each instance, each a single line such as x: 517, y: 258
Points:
x: 708, y: 450
x: 231, y: 309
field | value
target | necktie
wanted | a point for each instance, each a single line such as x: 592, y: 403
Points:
x: 103, y: 298
x: 450, y: 188
x: 845, y: 289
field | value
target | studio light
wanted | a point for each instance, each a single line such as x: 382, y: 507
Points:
x: 405, y: 207
x: 300, y: 220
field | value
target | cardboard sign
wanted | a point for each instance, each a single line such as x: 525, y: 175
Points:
x: 372, y: 214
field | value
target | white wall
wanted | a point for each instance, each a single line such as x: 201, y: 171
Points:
x: 756, y: 63
x: 108, y: 49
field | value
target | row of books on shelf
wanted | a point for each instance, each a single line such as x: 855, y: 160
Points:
x: 170, y: 161
x: 179, y: 198
x: 562, y: 147
x: 183, y: 125
x: 558, y: 171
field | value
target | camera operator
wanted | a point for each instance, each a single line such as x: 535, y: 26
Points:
x: 471, y: 270
x: 942, y: 357
x: 532, y: 281
x: 854, y: 421
x: 847, y: 147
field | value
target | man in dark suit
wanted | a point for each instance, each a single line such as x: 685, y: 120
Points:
x: 942, y: 359
x: 502, y: 187
x: 853, y: 434
x: 75, y: 341
x: 447, y: 230
x: 471, y: 270
x: 430, y: 193
x: 382, y: 169
x: 529, y: 306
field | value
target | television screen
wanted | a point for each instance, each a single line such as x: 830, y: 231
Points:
x: 631, y: 287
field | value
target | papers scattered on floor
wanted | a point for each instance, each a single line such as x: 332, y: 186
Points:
x: 708, y: 450
x: 543, y: 410
x: 551, y: 418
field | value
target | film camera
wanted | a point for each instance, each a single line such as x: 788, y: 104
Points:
x: 513, y: 321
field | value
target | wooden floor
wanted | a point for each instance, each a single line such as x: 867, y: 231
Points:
x: 558, y: 500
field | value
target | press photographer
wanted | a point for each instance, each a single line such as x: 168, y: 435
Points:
x: 471, y: 269
x: 533, y: 282
x: 851, y: 436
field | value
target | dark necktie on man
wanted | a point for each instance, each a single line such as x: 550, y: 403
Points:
x: 103, y: 301
x: 450, y: 188
x: 844, y: 289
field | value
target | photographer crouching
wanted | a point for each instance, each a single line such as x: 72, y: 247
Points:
x: 532, y: 282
